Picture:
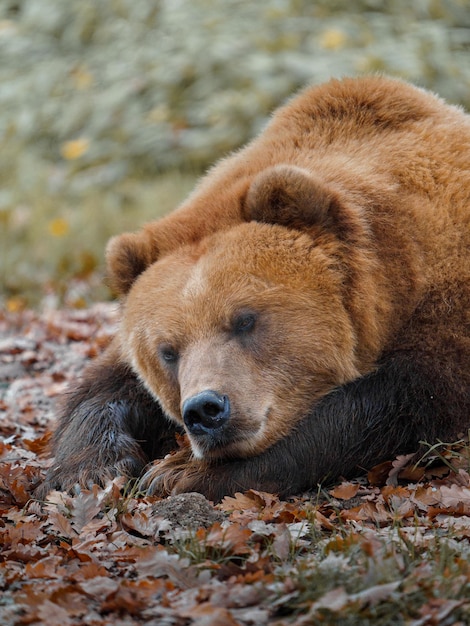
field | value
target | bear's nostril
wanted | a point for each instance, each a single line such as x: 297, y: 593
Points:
x: 210, y: 409
x: 205, y: 412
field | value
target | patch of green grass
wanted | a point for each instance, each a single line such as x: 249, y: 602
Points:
x: 379, y: 577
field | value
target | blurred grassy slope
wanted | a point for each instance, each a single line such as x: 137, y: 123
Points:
x: 109, y: 108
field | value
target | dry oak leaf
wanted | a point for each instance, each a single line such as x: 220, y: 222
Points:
x: 322, y: 521
x: 399, y: 464
x: 207, y: 614
x: 261, y: 505
x: 251, y: 500
x: 378, y: 475
x: 144, y: 523
x: 460, y: 525
x: 233, y: 539
x: 99, y: 587
x: 48, y: 567
x: 454, y: 496
x: 52, y: 614
x: 370, y: 511
x: 61, y: 524
x: 158, y: 563
x: 424, y: 497
x: 345, y: 491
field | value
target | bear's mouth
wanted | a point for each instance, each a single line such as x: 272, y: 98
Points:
x: 220, y: 443
x: 237, y: 438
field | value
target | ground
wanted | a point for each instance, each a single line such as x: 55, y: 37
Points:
x: 389, y: 548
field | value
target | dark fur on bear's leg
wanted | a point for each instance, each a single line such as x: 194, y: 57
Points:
x: 108, y: 426
x: 411, y: 397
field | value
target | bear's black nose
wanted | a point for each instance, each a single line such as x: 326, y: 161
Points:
x: 205, y: 412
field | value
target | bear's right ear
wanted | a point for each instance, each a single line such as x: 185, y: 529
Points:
x: 289, y: 196
x: 127, y: 256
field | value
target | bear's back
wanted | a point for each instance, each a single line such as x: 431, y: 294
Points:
x: 398, y: 153
x: 407, y: 134
x: 398, y: 150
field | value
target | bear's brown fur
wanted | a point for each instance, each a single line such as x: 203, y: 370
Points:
x: 304, y: 313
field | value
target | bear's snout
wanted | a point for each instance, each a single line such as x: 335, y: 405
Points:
x: 206, y: 412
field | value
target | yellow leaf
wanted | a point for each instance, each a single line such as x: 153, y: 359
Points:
x: 158, y: 114
x: 58, y: 227
x: 7, y: 27
x: 15, y: 304
x: 74, y: 149
x: 82, y: 77
x: 333, y: 39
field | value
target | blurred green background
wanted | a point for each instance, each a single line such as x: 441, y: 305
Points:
x: 110, y: 109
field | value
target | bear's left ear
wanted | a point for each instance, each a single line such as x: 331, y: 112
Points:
x: 289, y: 196
x: 127, y: 256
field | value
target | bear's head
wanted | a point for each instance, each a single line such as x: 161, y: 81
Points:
x: 239, y: 334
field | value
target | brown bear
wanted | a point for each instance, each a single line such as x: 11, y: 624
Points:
x: 305, y: 313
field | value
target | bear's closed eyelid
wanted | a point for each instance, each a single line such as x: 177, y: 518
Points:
x: 244, y: 322
x: 167, y: 353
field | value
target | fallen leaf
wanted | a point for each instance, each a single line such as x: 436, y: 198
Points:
x: 52, y: 614
x: 208, y: 615
x: 454, y: 496
x: 345, y: 491
x: 99, y: 587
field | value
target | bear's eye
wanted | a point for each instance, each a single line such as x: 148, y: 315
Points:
x: 168, y: 354
x: 244, y: 323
